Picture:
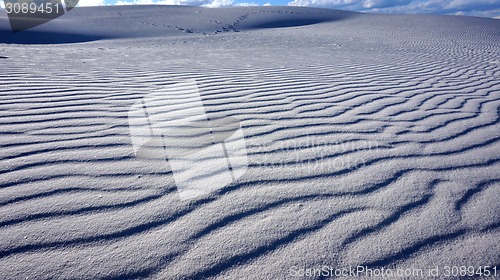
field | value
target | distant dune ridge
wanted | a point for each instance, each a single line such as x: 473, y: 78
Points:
x: 88, y: 24
x: 372, y: 140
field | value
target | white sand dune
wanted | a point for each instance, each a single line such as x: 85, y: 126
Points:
x: 371, y: 139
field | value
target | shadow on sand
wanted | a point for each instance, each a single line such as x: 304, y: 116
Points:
x: 45, y: 37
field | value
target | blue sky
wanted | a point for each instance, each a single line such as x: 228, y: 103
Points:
x: 483, y: 8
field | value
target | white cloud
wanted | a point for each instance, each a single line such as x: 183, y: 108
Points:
x: 342, y: 4
x: 246, y: 4
x: 219, y: 3
x: 227, y: 3
x: 495, y: 13
x: 89, y: 3
x: 158, y: 2
x: 204, y: 3
x: 488, y: 8
x: 267, y: 4
x: 470, y: 3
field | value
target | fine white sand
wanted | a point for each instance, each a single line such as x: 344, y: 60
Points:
x: 371, y: 139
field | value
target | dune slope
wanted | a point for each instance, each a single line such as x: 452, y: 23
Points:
x: 372, y: 140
